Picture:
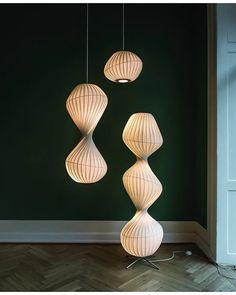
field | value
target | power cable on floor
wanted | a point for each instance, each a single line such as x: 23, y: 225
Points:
x: 225, y: 267
x: 172, y: 257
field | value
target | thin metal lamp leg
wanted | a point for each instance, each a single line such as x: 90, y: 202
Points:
x: 135, y: 261
x: 153, y: 264
x: 140, y: 259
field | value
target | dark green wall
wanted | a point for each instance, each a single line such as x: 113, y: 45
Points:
x: 201, y: 121
x: 43, y: 58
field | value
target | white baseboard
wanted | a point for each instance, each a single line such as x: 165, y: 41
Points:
x: 65, y: 231
x: 201, y: 239
x: 61, y: 231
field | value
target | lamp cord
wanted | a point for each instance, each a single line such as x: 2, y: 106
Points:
x: 219, y: 267
x: 87, y: 33
x: 123, y: 28
x: 172, y: 256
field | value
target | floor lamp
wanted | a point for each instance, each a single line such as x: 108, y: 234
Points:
x: 142, y: 235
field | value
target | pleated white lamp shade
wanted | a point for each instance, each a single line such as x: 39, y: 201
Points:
x: 142, y: 185
x: 123, y: 66
x: 142, y: 135
x: 142, y: 235
x: 86, y: 104
x: 85, y: 164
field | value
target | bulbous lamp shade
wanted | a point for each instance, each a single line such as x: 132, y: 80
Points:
x: 86, y: 104
x: 123, y: 66
x: 142, y: 235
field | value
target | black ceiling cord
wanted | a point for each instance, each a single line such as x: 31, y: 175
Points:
x: 87, y: 32
x: 123, y: 25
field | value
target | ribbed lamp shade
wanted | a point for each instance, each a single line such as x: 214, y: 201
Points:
x: 123, y: 66
x: 86, y: 104
x: 142, y: 235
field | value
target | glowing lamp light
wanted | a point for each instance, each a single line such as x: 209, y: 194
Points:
x: 142, y: 235
x: 86, y: 104
x: 123, y: 67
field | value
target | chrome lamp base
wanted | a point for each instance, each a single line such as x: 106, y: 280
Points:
x: 141, y: 259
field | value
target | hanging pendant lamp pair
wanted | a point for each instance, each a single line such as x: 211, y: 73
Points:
x: 86, y: 104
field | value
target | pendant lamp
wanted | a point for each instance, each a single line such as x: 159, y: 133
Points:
x: 86, y: 104
x: 142, y: 235
x: 123, y: 66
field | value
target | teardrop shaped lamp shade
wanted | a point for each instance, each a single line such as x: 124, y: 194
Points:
x: 86, y: 104
x: 123, y: 66
x: 142, y: 135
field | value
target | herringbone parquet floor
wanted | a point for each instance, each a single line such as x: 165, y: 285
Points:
x: 74, y: 267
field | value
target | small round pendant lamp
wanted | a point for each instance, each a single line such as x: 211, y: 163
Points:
x: 123, y: 66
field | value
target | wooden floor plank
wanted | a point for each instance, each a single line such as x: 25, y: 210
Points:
x: 91, y: 267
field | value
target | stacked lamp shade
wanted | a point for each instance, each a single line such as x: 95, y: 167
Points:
x: 142, y: 235
x: 86, y: 104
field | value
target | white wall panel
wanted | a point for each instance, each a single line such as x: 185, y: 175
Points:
x: 226, y: 133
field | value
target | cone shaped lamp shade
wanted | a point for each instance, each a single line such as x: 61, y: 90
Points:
x: 142, y: 235
x: 123, y: 66
x: 86, y: 104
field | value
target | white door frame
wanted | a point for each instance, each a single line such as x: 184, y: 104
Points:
x: 221, y: 179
